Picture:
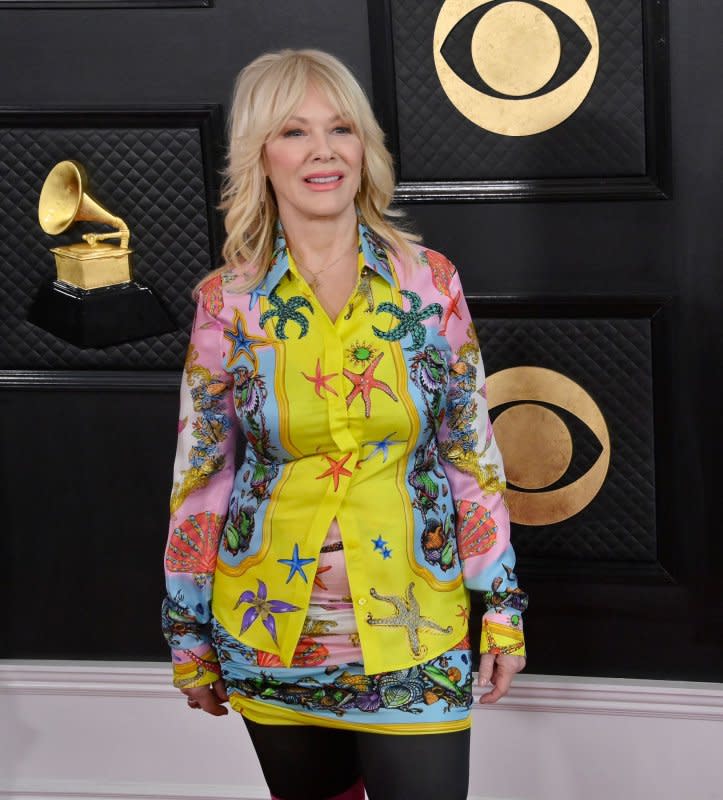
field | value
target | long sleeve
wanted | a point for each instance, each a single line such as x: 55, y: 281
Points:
x: 473, y: 465
x: 202, y: 482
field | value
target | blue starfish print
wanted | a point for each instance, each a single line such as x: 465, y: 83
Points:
x: 296, y: 563
x: 254, y: 294
x: 382, y: 446
x: 387, y: 553
x: 241, y: 343
x: 379, y: 544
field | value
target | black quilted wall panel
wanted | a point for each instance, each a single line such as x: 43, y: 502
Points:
x: 605, y: 137
x: 157, y: 180
x: 612, y: 360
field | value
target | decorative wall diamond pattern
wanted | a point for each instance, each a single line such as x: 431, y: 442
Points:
x: 611, y: 360
x: 604, y: 137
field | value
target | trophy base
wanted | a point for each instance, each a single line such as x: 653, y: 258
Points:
x: 99, y: 317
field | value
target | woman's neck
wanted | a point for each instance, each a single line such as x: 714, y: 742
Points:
x: 316, y: 242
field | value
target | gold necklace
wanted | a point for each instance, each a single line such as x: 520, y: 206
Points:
x: 315, y: 282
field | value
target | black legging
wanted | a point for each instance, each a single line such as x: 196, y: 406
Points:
x: 314, y: 763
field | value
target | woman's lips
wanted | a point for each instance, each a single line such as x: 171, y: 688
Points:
x: 323, y: 183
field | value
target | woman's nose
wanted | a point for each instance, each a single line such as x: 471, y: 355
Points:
x: 321, y: 147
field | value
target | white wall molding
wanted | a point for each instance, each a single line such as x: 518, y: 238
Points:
x: 121, y: 731
x: 536, y: 693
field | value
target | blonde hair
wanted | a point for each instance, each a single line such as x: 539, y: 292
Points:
x: 266, y: 93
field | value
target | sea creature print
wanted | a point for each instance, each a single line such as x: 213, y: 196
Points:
x: 476, y: 529
x: 428, y: 370
x: 364, y: 382
x: 410, y: 322
x: 212, y: 295
x: 193, y: 545
x: 438, y: 543
x: 210, y: 428
x: 460, y: 448
x: 285, y: 312
x: 363, y: 292
x: 321, y: 381
x: 242, y: 343
x: 405, y: 690
x: 260, y: 607
x: 408, y: 616
x: 499, y: 599
x: 441, y: 268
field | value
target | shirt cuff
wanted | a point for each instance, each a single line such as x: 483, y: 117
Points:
x: 502, y: 634
x: 197, y: 667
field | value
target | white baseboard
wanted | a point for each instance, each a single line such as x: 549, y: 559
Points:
x: 79, y: 730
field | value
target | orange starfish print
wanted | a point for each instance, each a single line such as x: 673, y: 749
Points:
x: 318, y: 581
x: 364, y: 382
x: 320, y: 380
x: 336, y: 469
x: 452, y: 308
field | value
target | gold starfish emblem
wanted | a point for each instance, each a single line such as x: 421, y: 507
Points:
x: 407, y: 616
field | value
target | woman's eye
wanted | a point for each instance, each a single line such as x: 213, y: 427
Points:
x: 292, y: 132
x: 342, y: 129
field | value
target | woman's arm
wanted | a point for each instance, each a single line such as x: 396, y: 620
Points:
x: 203, y: 478
x: 473, y: 465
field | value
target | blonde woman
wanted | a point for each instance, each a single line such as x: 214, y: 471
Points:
x: 321, y: 584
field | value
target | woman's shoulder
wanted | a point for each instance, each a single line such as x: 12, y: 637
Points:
x: 426, y: 262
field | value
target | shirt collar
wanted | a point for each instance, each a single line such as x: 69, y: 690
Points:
x: 371, y: 247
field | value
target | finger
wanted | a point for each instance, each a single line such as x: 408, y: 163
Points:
x: 219, y: 689
x: 502, y: 681
x: 209, y: 703
x: 486, y: 665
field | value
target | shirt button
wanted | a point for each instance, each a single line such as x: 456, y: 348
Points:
x: 362, y: 601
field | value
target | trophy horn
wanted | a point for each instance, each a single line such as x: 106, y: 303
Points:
x: 65, y: 199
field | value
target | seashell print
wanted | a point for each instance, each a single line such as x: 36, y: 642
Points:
x: 193, y: 545
x: 359, y: 683
x: 476, y: 529
x: 212, y: 296
x: 396, y: 695
x: 430, y: 696
x: 442, y: 270
x: 264, y: 659
x: 368, y: 701
x: 309, y: 653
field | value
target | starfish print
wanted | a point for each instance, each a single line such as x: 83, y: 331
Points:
x: 241, y: 343
x: 320, y: 380
x: 452, y: 308
x: 410, y: 322
x: 261, y: 607
x: 318, y: 581
x: 407, y: 616
x: 287, y: 312
x: 296, y: 563
x: 254, y: 294
x: 364, y: 382
x: 379, y: 544
x: 463, y: 612
x: 336, y: 470
x: 382, y: 446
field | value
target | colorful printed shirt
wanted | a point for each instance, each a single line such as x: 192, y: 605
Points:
x: 377, y: 420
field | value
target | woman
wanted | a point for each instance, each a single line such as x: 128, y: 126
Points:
x: 369, y: 499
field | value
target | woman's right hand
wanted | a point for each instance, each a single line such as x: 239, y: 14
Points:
x: 208, y: 697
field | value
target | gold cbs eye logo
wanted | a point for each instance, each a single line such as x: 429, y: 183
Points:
x: 536, y: 445
x: 516, y: 51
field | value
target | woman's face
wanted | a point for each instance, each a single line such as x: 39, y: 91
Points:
x: 314, y: 164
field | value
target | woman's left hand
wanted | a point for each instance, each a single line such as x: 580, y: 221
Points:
x: 499, y: 671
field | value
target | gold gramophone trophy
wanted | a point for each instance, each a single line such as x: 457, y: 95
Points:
x: 94, y: 300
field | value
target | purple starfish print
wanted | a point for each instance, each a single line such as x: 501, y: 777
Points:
x: 261, y: 607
